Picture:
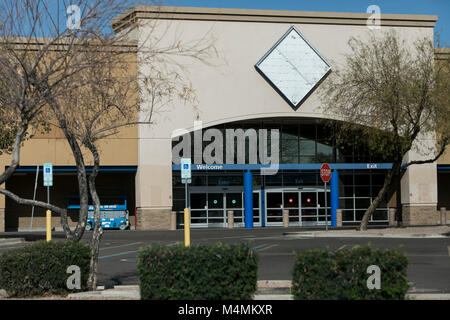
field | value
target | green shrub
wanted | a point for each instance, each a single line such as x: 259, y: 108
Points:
x: 342, y: 275
x: 41, y: 268
x: 210, y: 272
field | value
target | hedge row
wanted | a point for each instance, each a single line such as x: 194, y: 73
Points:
x: 41, y: 268
x: 211, y: 272
x: 343, y: 274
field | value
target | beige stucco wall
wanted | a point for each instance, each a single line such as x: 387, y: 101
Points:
x: 233, y: 90
x: 114, y: 151
x: 120, y: 149
x: 445, y: 158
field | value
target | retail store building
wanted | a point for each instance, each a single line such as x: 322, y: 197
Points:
x: 249, y: 93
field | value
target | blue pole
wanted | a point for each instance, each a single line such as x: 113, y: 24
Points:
x: 263, y: 207
x: 248, y: 199
x: 334, y: 189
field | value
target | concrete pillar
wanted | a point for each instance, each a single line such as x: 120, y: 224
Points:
x: 2, y: 220
x: 173, y: 220
x: 338, y: 218
x: 392, y: 222
x: 230, y: 219
x: 154, y: 185
x: 419, y: 185
x: 443, y: 212
x: 285, y: 218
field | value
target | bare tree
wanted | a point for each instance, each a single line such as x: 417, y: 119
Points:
x: 389, y: 95
x: 40, y: 55
x: 77, y: 80
x: 112, y: 94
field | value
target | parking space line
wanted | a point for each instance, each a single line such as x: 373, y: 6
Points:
x: 118, y: 254
x: 120, y: 246
x: 268, y: 247
x: 260, y: 246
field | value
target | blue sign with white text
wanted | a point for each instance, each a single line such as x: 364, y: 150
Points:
x: 48, y: 174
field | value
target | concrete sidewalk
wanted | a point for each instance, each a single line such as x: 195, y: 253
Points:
x: 267, y: 290
x: 398, y: 232
x: 11, y: 241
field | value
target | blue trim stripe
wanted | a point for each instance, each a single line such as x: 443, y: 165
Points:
x: 74, y: 169
x: 310, y: 166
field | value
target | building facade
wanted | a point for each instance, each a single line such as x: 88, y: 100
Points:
x: 261, y: 91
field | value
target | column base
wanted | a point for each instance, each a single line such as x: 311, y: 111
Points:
x: 420, y: 215
x: 153, y: 219
x: 2, y: 219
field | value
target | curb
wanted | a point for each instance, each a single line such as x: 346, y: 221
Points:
x: 364, y: 235
x: 11, y: 241
x: 427, y: 296
x: 118, y: 294
x: 132, y: 293
x: 273, y: 297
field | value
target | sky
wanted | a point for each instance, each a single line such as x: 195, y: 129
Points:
x: 441, y: 8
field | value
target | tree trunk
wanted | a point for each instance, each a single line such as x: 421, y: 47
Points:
x: 98, y: 231
x: 77, y: 234
x: 15, y: 160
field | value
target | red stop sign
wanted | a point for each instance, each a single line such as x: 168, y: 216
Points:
x: 325, y: 172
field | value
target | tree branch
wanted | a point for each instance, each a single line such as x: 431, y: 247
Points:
x: 30, y: 202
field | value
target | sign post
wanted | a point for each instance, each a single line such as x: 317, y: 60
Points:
x: 186, y: 176
x: 325, y: 174
x: 48, y: 182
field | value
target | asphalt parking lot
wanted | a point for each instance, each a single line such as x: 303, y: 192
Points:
x: 429, y: 271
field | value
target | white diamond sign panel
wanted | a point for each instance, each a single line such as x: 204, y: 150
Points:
x: 293, y: 67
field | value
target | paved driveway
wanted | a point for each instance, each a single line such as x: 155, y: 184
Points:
x: 429, y: 258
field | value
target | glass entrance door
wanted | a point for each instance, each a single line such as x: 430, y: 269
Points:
x: 234, y: 202
x: 210, y: 206
x: 274, y: 208
x: 305, y: 206
x: 215, y: 210
x: 308, y: 208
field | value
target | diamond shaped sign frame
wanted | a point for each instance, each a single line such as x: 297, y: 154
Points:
x: 311, y: 84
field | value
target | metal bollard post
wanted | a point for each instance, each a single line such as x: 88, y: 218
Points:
x: 392, y: 216
x: 173, y: 220
x: 49, y: 225
x: 285, y: 218
x: 338, y: 218
x: 230, y: 219
x: 443, y: 215
x: 187, y: 228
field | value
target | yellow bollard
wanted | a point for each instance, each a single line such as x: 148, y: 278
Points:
x: 49, y: 225
x: 187, y: 227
